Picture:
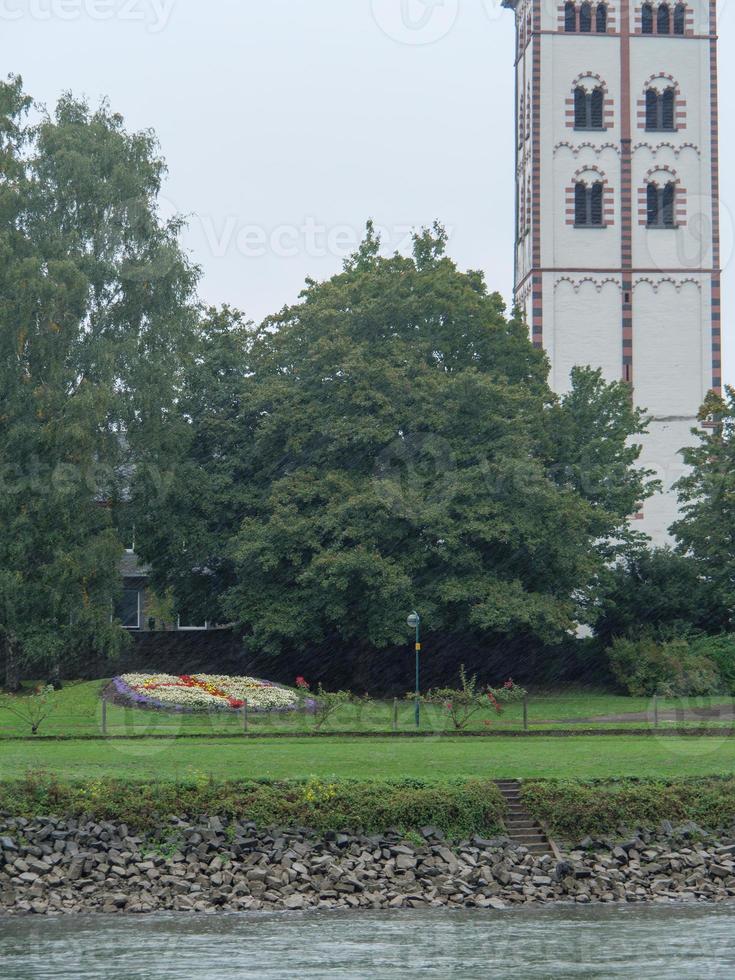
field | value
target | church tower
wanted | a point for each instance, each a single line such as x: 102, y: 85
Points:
x: 617, y: 238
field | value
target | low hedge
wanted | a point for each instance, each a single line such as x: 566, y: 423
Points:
x: 575, y: 809
x: 459, y: 809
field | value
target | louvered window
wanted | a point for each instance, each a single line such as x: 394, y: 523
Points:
x: 588, y: 108
x: 588, y: 205
x: 660, y: 111
x: 660, y: 202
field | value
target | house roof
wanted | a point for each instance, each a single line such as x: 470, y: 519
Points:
x: 132, y: 567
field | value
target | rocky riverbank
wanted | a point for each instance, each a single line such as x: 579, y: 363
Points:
x: 52, y: 865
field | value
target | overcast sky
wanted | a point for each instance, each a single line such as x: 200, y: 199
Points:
x: 287, y: 123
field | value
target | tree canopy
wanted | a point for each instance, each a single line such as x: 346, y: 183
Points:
x: 95, y: 298
x: 705, y: 531
x: 390, y: 442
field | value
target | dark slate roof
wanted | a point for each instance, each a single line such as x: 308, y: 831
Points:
x: 132, y: 567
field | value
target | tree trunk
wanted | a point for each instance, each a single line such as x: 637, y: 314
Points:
x: 54, y: 678
x: 12, y: 665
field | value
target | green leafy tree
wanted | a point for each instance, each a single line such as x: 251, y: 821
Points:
x: 706, y: 530
x: 660, y: 594
x: 95, y: 304
x: 382, y: 445
x: 591, y: 450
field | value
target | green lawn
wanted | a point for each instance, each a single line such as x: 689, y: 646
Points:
x: 441, y: 758
x: 79, y: 712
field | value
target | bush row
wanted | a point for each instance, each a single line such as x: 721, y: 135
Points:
x: 459, y: 809
x: 698, y: 666
x: 574, y: 809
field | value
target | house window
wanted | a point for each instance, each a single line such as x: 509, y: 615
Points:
x: 585, y: 18
x: 601, y: 19
x: 128, y: 609
x: 588, y: 108
x: 588, y: 205
x: 660, y: 111
x: 663, y: 20
x: 647, y: 19
x: 570, y: 18
x: 184, y: 622
x: 660, y: 201
x: 679, y: 18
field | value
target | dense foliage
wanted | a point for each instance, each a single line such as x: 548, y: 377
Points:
x: 660, y: 593
x: 458, y: 808
x: 706, y: 529
x: 94, y: 303
x: 674, y: 668
x: 390, y: 442
x: 573, y: 809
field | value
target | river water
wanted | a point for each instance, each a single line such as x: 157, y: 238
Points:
x: 660, y: 941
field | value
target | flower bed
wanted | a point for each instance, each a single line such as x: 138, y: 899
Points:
x: 199, y: 692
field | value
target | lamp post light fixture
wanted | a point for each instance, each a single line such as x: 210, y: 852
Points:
x: 414, y: 621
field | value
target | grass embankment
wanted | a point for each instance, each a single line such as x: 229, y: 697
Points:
x: 79, y: 712
x: 445, y: 758
x: 458, y: 808
x: 572, y: 810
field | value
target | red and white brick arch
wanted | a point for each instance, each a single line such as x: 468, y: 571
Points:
x: 612, y: 15
x: 589, y: 81
x: 672, y: 5
x: 589, y: 175
x: 659, y: 176
x: 659, y: 82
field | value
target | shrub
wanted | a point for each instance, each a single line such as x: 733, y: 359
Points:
x: 325, y: 703
x: 673, y: 669
x: 463, y: 702
x: 721, y: 651
x: 459, y: 808
x: 32, y: 709
x: 572, y: 809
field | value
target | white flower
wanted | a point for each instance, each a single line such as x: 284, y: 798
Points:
x: 209, y: 690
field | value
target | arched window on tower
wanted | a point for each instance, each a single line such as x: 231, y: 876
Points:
x: 601, y: 19
x: 660, y: 205
x: 663, y: 20
x: 588, y: 205
x: 660, y: 111
x: 647, y: 19
x: 570, y: 18
x: 588, y: 108
x: 585, y: 17
x: 679, y: 18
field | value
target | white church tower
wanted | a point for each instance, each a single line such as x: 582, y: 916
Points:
x: 617, y: 240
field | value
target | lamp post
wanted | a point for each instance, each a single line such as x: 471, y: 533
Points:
x: 414, y: 621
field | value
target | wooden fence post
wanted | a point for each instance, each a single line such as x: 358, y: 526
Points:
x: 104, y: 716
x: 525, y: 714
x: 245, y: 717
x: 395, y: 714
x: 655, y: 710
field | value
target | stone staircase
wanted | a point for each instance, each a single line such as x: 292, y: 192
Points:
x: 522, y: 828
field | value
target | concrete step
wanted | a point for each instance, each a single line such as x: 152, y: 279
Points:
x: 521, y: 826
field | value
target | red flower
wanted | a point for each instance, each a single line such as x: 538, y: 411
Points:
x: 236, y: 703
x: 509, y: 685
x: 493, y: 702
x: 302, y: 683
